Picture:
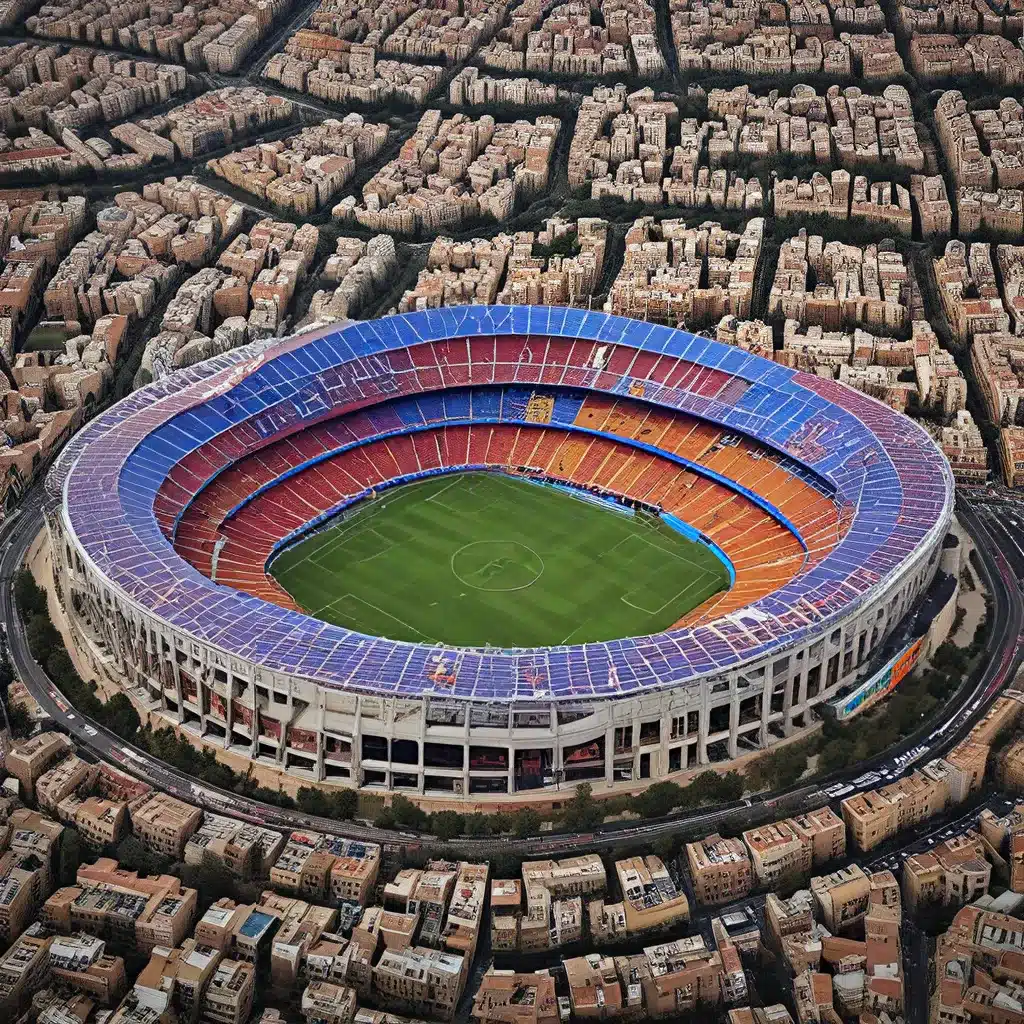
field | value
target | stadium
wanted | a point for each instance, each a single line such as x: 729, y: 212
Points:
x: 481, y: 551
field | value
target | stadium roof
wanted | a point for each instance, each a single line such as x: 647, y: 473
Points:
x: 883, y: 466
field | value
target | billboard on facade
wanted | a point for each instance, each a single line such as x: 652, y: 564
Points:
x: 880, y: 684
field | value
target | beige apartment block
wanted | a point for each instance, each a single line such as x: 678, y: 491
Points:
x: 778, y: 853
x: 62, y: 780
x: 110, y: 901
x: 165, y: 824
x: 969, y: 290
x: 242, y: 848
x: 832, y: 285
x: 595, y: 990
x: 82, y: 963
x: 720, y: 869
x: 826, y: 833
x: 954, y: 871
x: 674, y: 273
x: 841, y: 898
x: 28, y: 760
x: 685, y: 974
x: 1011, y: 454
x: 455, y: 168
x: 422, y: 981
x: 507, y: 997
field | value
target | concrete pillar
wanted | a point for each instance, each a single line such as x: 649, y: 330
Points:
x: 254, y: 725
x: 734, y: 720
x: 766, y: 708
x: 320, y: 738
x: 176, y: 672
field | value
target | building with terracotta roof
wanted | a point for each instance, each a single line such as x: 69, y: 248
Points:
x: 720, y: 869
x: 507, y: 997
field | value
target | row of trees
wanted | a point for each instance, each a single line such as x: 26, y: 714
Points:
x: 47, y: 648
x: 868, y: 735
x: 835, y: 746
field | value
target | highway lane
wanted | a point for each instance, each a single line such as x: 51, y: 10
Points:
x: 1000, y: 572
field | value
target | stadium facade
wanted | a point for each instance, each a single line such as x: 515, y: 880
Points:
x: 165, y: 510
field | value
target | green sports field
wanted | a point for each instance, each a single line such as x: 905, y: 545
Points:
x: 481, y: 558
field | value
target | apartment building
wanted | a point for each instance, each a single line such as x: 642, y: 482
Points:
x: 720, y: 869
x: 429, y: 898
x: 425, y: 982
x: 23, y: 971
x: 242, y: 848
x: 34, y: 835
x: 650, y: 898
x: 465, y: 909
x: 870, y: 817
x: 28, y: 760
x: 508, y: 997
x: 118, y: 905
x: 778, y: 852
x: 324, y: 1001
x: 506, y: 912
x: 165, y: 824
x: 229, y: 994
x: 595, y: 990
x: 791, y: 916
x: 61, y: 781
x: 954, y: 871
x: 100, y: 822
x: 841, y: 898
x: 684, y: 974
x: 574, y: 876
x: 17, y: 900
x: 825, y: 831
x: 81, y: 962
x: 325, y: 867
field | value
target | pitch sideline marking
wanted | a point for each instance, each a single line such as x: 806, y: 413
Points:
x: 369, y: 604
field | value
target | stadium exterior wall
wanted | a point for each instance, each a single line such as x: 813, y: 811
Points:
x: 703, y: 723
x: 449, y: 747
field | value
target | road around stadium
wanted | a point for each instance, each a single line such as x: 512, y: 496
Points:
x: 1002, y: 569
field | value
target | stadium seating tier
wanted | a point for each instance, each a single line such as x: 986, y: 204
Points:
x: 882, y: 491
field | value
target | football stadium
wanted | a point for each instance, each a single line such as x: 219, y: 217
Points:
x: 488, y: 550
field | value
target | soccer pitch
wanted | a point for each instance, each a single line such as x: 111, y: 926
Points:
x: 473, y: 559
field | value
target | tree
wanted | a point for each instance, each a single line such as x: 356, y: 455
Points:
x: 447, y: 824
x: 69, y: 856
x: 501, y: 822
x: 312, y: 800
x: 131, y: 854
x: 384, y: 819
x: 526, y: 822
x: 42, y: 638
x: 477, y: 825
x: 408, y: 814
x: 6, y: 671
x: 120, y: 716
x: 29, y: 596
x: 665, y: 847
x: 836, y: 754
x: 211, y: 880
x: 730, y: 786
x: 583, y: 812
x: 19, y: 719
x: 658, y: 800
x: 346, y: 804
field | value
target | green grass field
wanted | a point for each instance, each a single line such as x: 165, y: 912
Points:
x: 481, y: 558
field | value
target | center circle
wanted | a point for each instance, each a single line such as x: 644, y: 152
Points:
x: 497, y: 565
